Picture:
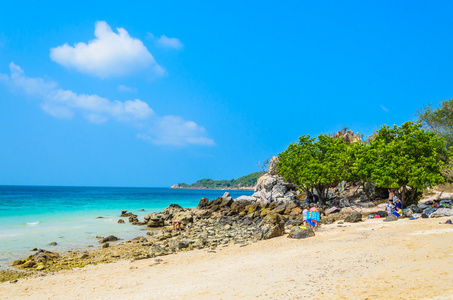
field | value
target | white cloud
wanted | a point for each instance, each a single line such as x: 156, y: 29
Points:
x: 166, y: 42
x: 127, y: 89
x: 60, y: 103
x: 175, y: 131
x: 110, y: 54
x: 384, y: 108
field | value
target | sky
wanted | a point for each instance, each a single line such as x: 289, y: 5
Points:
x: 153, y: 93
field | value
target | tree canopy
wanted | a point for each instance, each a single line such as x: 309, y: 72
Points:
x: 314, y: 163
x: 406, y: 158
x: 439, y: 120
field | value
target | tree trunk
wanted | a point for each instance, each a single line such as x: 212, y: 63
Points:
x: 403, y: 196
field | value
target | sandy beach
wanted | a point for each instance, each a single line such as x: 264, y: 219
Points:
x: 368, y: 260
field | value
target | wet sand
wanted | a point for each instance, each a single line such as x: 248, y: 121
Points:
x: 368, y: 260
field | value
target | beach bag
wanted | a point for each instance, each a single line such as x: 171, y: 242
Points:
x: 313, y: 215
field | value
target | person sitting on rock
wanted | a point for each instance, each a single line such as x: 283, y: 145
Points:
x: 390, y: 207
x: 398, y: 205
x: 304, y: 214
x: 177, y: 225
x: 436, y: 204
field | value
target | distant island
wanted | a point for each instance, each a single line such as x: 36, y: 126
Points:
x: 247, y: 182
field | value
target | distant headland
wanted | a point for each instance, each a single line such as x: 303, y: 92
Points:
x: 247, y: 182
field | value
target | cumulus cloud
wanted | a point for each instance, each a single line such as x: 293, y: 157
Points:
x: 60, y: 103
x: 110, y: 54
x: 166, y: 42
x: 63, y: 103
x: 174, y: 130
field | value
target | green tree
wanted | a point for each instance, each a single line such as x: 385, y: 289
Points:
x: 406, y: 158
x: 314, y: 164
x: 439, y: 120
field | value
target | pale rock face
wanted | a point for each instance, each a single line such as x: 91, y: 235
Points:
x: 260, y: 183
x: 245, y: 198
x: 273, y: 166
x: 278, y: 191
x: 269, y: 183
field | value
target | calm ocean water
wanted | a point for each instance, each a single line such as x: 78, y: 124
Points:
x: 33, y: 216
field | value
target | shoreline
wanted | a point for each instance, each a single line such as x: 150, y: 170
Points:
x: 214, y: 189
x: 370, y: 259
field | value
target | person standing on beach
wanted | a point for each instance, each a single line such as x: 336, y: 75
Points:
x: 304, y: 214
x: 314, y: 222
x: 391, y: 194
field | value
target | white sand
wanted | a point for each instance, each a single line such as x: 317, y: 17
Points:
x: 369, y: 260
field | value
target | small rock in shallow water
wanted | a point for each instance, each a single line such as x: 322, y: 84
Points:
x: 53, y: 244
x: 105, y: 245
x: 120, y: 221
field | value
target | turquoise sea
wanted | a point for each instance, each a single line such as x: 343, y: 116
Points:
x: 34, y: 216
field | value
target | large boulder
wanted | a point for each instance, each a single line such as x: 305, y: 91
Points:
x: 415, y: 209
x: 272, y: 225
x: 442, y: 212
x: 173, y: 209
x: 110, y: 238
x: 186, y: 217
x: 301, y: 232
x: 391, y: 218
x: 245, y: 199
x: 331, y: 210
x: 269, y: 183
x: 407, y: 212
x: 278, y: 191
x: 204, y: 203
x: 354, y: 217
x: 154, y: 220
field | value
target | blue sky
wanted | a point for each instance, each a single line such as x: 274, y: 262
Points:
x: 154, y: 93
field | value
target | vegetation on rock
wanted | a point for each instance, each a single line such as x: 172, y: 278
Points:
x: 406, y: 158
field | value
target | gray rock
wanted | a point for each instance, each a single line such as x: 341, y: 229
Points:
x: 226, y: 195
x: 271, y: 226
x: 301, y: 232
x: 429, y: 211
x: 390, y: 218
x: 157, y: 250
x: 442, y: 212
x: 278, y: 191
x: 245, y: 198
x: 354, y: 217
x: 110, y: 238
x: 269, y: 183
x: 407, y: 212
x: 415, y: 209
x: 331, y: 210
x: 424, y: 206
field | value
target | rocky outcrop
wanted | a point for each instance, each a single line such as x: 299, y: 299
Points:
x: 272, y: 188
x: 301, y: 232
x: 348, y: 136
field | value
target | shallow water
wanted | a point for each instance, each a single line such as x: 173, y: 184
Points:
x: 36, y: 216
